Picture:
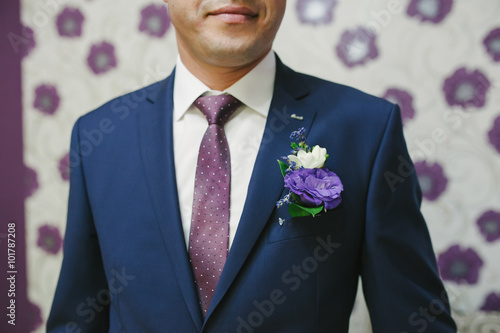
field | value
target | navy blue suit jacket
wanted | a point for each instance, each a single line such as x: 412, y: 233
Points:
x: 126, y: 267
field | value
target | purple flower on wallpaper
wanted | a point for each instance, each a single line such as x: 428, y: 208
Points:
x: 460, y: 265
x: 315, y: 11
x: 27, y: 41
x: 49, y: 239
x: 491, y: 303
x: 69, y: 22
x: 489, y: 225
x: 432, y: 179
x: 402, y: 98
x: 429, y: 10
x: 494, y: 134
x: 101, y: 57
x: 33, y: 317
x: 492, y: 44
x: 357, y: 46
x: 466, y: 88
x: 30, y: 181
x: 46, y: 99
x: 64, y: 167
x: 155, y: 20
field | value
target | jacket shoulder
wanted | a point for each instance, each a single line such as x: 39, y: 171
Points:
x: 356, y: 108
x: 121, y: 107
x: 344, y: 94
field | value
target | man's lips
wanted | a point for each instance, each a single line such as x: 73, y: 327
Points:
x: 234, y: 14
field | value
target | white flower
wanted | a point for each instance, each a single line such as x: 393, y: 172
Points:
x: 312, y: 160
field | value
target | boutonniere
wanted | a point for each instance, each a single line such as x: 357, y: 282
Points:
x: 313, y: 188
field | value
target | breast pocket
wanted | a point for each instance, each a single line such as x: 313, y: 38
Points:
x: 284, y: 227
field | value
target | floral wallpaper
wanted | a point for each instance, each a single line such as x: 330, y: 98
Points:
x: 438, y: 59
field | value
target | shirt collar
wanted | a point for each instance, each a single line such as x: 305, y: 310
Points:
x: 255, y: 89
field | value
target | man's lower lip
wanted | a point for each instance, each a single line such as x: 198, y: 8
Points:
x: 233, y: 18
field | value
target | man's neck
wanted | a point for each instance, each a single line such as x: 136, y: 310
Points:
x: 217, y: 77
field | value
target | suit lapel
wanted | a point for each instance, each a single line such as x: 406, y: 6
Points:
x: 266, y: 183
x: 155, y: 142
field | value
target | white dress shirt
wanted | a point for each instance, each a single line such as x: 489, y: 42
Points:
x: 244, y: 131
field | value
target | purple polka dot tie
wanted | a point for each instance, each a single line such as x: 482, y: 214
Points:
x: 209, y: 237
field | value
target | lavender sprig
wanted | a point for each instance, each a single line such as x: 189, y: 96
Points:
x: 286, y: 200
x: 298, y: 135
x: 291, y: 164
x: 301, y: 143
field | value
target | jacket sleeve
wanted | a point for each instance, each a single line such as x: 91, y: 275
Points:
x: 81, y: 302
x: 401, y: 283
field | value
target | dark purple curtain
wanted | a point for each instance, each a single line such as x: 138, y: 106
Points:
x: 14, y: 306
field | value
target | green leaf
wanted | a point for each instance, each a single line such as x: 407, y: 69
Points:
x: 297, y: 210
x: 283, y: 167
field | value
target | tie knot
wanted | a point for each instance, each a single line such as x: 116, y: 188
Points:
x: 217, y: 108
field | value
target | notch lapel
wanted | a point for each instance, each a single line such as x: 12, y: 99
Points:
x: 155, y: 142
x: 266, y: 182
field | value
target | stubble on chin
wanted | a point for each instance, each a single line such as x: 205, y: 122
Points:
x: 231, y: 53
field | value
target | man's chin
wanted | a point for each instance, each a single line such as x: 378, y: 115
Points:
x: 233, y: 52
x: 236, y: 57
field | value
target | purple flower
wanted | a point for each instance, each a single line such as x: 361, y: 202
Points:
x: 30, y: 181
x: 33, y: 317
x: 430, y: 10
x: 316, y: 12
x: 64, y: 167
x: 432, y: 179
x: 155, y: 20
x: 466, y: 89
x: 460, y: 266
x: 357, y: 46
x: 49, y: 239
x: 492, y: 44
x: 403, y: 99
x: 101, y: 57
x: 489, y: 225
x: 315, y: 187
x: 69, y: 22
x: 491, y: 303
x: 26, y: 42
x: 46, y: 99
x: 494, y: 134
